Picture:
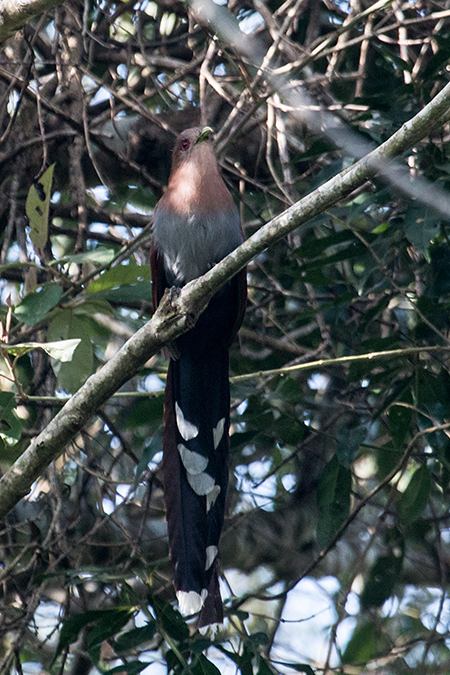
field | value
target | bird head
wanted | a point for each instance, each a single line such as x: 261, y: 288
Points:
x: 191, y: 145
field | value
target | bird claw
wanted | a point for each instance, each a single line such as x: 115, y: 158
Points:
x: 174, y: 293
x: 190, y: 321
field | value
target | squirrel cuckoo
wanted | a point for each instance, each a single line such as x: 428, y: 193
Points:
x: 196, y: 224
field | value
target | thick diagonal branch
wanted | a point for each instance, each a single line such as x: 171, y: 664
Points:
x: 174, y: 317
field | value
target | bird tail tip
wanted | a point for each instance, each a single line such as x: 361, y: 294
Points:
x: 191, y: 602
x: 210, y: 630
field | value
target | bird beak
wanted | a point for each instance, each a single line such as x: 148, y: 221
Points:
x: 204, y: 135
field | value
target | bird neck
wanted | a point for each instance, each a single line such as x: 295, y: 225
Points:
x: 196, y: 185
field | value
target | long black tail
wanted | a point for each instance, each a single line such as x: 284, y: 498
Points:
x: 196, y: 474
x: 196, y: 424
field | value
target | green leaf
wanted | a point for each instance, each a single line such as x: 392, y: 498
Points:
x: 333, y: 500
x: 231, y: 655
x: 387, y: 457
x: 392, y: 57
x: 381, y: 581
x: 257, y: 639
x: 99, y: 256
x: 374, y: 312
x: 204, y: 666
x: 356, y: 250
x: 438, y: 282
x: 146, y: 410
x: 316, y: 246
x: 170, y: 619
x: 263, y: 667
x: 62, y: 350
x: 73, y: 625
x: 315, y: 277
x: 382, y: 227
x: 421, y: 226
x: 92, y: 306
x: 37, y: 208
x: 153, y: 446
x: 131, y: 293
x: 241, y: 614
x: 106, y: 623
x: 399, y: 421
x: 36, y: 305
x: 415, y: 497
x: 445, y: 469
x: 433, y: 393
x: 131, y: 668
x: 245, y: 661
x: 438, y: 60
x: 362, y: 645
x: 135, y: 637
x: 72, y: 374
x: 289, y: 390
x: 10, y: 423
x: 288, y: 429
x: 121, y: 275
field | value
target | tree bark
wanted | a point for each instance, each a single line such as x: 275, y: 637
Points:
x: 14, y: 14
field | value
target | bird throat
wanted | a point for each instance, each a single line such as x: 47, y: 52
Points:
x: 196, y: 186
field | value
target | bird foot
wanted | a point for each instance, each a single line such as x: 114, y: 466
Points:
x: 190, y: 321
x: 174, y: 293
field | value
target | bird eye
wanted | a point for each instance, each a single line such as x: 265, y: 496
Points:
x: 185, y: 145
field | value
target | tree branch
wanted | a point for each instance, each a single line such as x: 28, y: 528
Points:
x: 14, y: 14
x: 174, y: 316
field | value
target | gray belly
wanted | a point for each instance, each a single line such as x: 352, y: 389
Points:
x: 192, y: 245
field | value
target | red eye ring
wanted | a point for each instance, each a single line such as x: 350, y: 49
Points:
x: 185, y: 144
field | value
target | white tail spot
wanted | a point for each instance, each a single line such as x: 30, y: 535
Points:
x: 201, y: 483
x: 211, y: 553
x: 191, y: 602
x: 211, y: 497
x: 186, y: 429
x: 210, y: 630
x: 218, y: 432
x: 193, y: 462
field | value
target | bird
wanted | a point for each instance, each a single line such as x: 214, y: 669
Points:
x: 196, y: 224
